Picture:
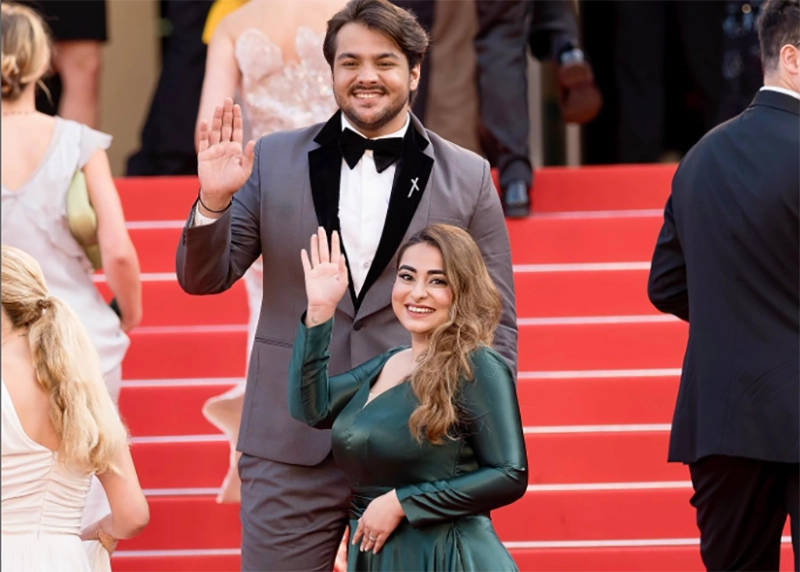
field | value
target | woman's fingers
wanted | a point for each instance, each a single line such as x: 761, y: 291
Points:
x: 324, y: 251
x: 358, y: 533
x: 336, y: 248
x: 314, y: 250
x: 379, y: 543
x: 306, y: 262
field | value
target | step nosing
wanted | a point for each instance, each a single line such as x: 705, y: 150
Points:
x: 511, y: 545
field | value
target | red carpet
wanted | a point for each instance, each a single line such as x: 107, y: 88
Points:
x: 599, y: 374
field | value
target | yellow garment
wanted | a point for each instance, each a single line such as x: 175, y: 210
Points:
x: 219, y: 10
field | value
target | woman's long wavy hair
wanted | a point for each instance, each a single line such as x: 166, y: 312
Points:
x: 66, y: 364
x: 26, y: 49
x: 474, y: 316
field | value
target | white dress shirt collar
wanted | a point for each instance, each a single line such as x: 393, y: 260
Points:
x: 781, y: 90
x: 399, y: 133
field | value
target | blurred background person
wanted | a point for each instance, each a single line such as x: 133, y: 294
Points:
x: 167, y: 139
x: 59, y: 426
x: 79, y: 31
x: 40, y: 156
x: 482, y: 104
x: 269, y: 55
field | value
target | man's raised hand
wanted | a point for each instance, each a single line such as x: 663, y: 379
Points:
x: 223, y: 165
x: 326, y: 277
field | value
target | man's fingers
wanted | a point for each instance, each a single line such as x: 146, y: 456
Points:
x: 237, y: 124
x: 324, y: 249
x: 306, y: 262
x: 216, y: 126
x: 249, y: 150
x: 227, y: 120
x: 202, y: 135
x: 343, y: 268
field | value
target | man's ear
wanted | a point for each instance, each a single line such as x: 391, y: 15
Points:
x: 415, y: 75
x: 790, y: 59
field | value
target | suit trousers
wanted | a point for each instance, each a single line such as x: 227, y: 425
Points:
x: 742, y: 506
x: 293, y: 516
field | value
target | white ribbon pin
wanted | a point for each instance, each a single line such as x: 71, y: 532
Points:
x: 414, y: 187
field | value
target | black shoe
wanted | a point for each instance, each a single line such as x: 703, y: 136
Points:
x: 516, y: 203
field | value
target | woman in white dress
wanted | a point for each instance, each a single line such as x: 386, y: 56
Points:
x: 59, y: 427
x: 270, y: 53
x: 40, y: 156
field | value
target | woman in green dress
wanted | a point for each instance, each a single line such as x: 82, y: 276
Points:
x: 429, y: 435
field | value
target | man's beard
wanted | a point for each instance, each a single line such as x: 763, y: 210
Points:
x: 395, y: 107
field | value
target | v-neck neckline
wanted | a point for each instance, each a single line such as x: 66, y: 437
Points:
x: 371, y: 383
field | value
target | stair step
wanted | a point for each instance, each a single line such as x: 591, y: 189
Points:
x: 199, y: 522
x: 539, y: 294
x: 164, y: 409
x: 569, y: 458
x: 556, y: 189
x: 187, y: 352
x: 624, y: 559
x: 555, y: 240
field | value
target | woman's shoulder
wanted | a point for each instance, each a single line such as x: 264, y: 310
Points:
x: 487, y: 361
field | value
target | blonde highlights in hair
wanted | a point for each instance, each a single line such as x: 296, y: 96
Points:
x: 26, y: 49
x: 474, y: 316
x: 66, y: 364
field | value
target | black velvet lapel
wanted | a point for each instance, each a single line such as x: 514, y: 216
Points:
x: 325, y: 170
x: 410, y: 180
x: 325, y: 173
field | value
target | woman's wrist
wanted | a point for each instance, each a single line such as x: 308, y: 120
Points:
x: 318, y: 315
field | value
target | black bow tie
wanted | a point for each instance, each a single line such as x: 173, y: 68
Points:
x: 384, y: 151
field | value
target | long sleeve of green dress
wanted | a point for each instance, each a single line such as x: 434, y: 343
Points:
x: 314, y: 398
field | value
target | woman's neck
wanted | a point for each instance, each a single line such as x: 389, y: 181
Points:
x: 25, y: 103
x: 419, y: 344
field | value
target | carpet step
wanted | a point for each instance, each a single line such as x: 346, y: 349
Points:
x: 556, y: 189
x: 619, y: 559
x: 159, y: 408
x: 199, y: 522
x: 564, y: 458
x: 554, y: 240
x: 206, y: 352
x: 539, y: 294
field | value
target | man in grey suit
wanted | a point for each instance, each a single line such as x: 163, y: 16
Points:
x: 376, y: 175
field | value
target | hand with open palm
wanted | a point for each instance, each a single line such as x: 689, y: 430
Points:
x: 223, y: 165
x: 326, y: 277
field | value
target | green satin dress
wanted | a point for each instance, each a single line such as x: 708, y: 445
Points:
x: 445, y: 490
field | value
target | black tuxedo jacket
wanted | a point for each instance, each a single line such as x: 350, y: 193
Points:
x: 727, y: 262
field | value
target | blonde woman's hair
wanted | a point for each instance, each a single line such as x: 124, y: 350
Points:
x: 66, y: 364
x: 26, y: 49
x: 474, y: 316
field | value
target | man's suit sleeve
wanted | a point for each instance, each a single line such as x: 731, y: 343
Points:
x: 212, y: 257
x: 666, y: 286
x: 488, y: 229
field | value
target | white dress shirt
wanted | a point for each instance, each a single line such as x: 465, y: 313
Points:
x: 781, y: 90
x: 363, y: 203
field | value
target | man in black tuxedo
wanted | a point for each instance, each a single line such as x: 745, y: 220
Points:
x: 726, y: 261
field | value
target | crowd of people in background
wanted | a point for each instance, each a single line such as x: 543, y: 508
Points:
x: 343, y: 96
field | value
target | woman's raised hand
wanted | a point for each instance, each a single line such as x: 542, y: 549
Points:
x: 326, y: 277
x: 223, y: 165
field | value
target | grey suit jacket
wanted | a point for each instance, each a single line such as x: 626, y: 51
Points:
x: 295, y: 174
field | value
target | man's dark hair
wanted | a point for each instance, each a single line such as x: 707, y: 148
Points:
x: 380, y: 15
x: 778, y: 25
